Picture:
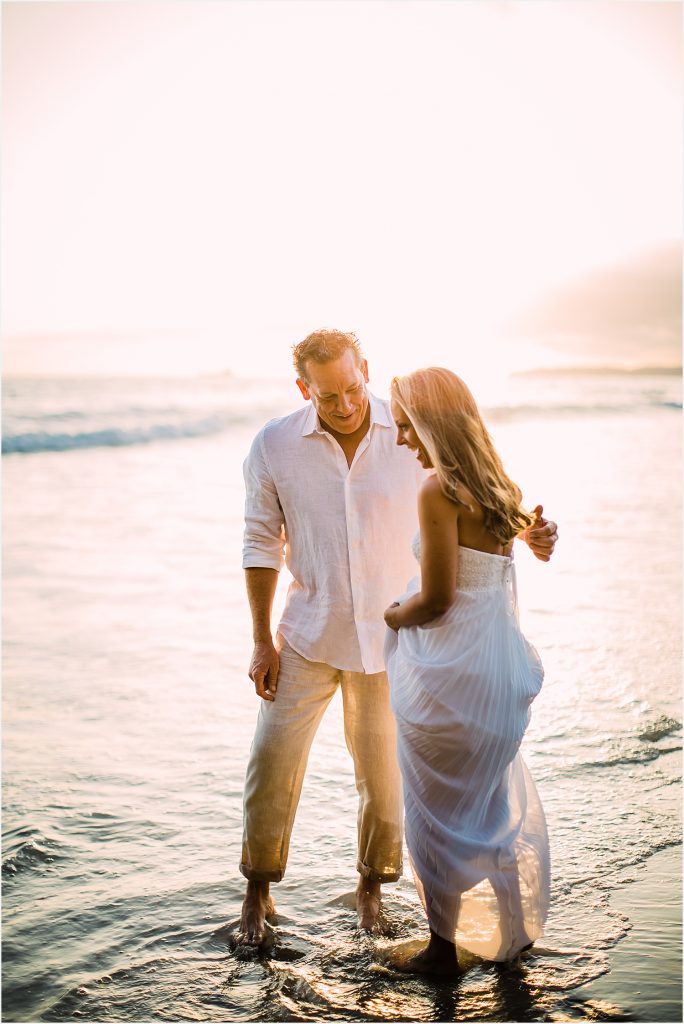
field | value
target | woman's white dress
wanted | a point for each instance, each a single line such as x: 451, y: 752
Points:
x: 461, y: 688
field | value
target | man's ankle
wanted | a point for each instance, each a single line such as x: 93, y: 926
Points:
x: 255, y: 888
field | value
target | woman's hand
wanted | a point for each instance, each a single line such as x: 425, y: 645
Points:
x: 391, y: 614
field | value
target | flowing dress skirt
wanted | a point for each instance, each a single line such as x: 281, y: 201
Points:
x: 461, y: 689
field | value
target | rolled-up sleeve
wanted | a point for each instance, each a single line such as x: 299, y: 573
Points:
x: 264, y: 539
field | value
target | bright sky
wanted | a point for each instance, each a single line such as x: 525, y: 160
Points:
x: 241, y: 173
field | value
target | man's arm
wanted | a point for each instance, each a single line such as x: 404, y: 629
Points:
x: 263, y: 555
x: 540, y: 536
x: 263, y: 669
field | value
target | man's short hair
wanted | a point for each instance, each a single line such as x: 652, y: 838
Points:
x: 322, y: 347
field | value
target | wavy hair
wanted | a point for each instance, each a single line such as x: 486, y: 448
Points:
x: 445, y: 417
x: 322, y: 347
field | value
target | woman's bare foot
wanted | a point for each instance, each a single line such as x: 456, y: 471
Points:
x: 256, y: 907
x: 368, y: 905
x: 438, y: 959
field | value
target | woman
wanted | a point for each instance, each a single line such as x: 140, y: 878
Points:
x: 462, y: 679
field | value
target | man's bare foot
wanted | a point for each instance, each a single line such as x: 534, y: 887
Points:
x: 256, y: 907
x: 438, y: 959
x: 368, y: 905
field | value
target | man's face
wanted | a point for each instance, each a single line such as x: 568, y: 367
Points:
x: 338, y: 392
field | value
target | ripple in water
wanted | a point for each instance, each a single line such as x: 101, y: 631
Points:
x: 323, y: 968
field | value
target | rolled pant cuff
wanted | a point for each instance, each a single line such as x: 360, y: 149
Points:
x: 252, y: 875
x: 377, y: 876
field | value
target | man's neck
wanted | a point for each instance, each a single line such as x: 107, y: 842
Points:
x: 349, y: 442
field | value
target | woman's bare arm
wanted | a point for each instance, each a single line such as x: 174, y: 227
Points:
x: 438, y: 517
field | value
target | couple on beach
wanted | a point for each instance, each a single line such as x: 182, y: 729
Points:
x: 332, y: 490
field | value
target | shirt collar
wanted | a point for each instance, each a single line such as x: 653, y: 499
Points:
x: 379, y: 415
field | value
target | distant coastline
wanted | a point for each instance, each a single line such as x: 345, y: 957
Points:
x: 226, y: 374
x: 596, y: 371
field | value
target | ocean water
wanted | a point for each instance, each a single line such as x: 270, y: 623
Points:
x: 128, y: 713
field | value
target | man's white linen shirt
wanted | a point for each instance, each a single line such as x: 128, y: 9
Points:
x: 344, y: 532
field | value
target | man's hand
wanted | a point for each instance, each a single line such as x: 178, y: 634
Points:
x: 263, y: 669
x: 541, y: 535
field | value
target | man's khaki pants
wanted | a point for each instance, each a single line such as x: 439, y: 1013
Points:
x: 284, y: 733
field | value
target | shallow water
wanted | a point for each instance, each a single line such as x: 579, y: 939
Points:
x: 128, y: 718
x: 646, y: 966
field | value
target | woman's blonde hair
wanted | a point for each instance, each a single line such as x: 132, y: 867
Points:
x: 445, y: 417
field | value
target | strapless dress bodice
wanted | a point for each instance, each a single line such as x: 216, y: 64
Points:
x: 477, y: 570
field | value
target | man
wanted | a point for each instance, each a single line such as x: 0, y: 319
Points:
x: 331, y: 494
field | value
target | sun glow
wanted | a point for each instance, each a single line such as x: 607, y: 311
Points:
x: 416, y: 172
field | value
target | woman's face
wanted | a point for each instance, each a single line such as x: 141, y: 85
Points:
x: 407, y: 435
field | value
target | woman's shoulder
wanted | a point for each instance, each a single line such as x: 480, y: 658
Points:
x: 431, y: 497
x: 431, y: 491
x: 430, y: 485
